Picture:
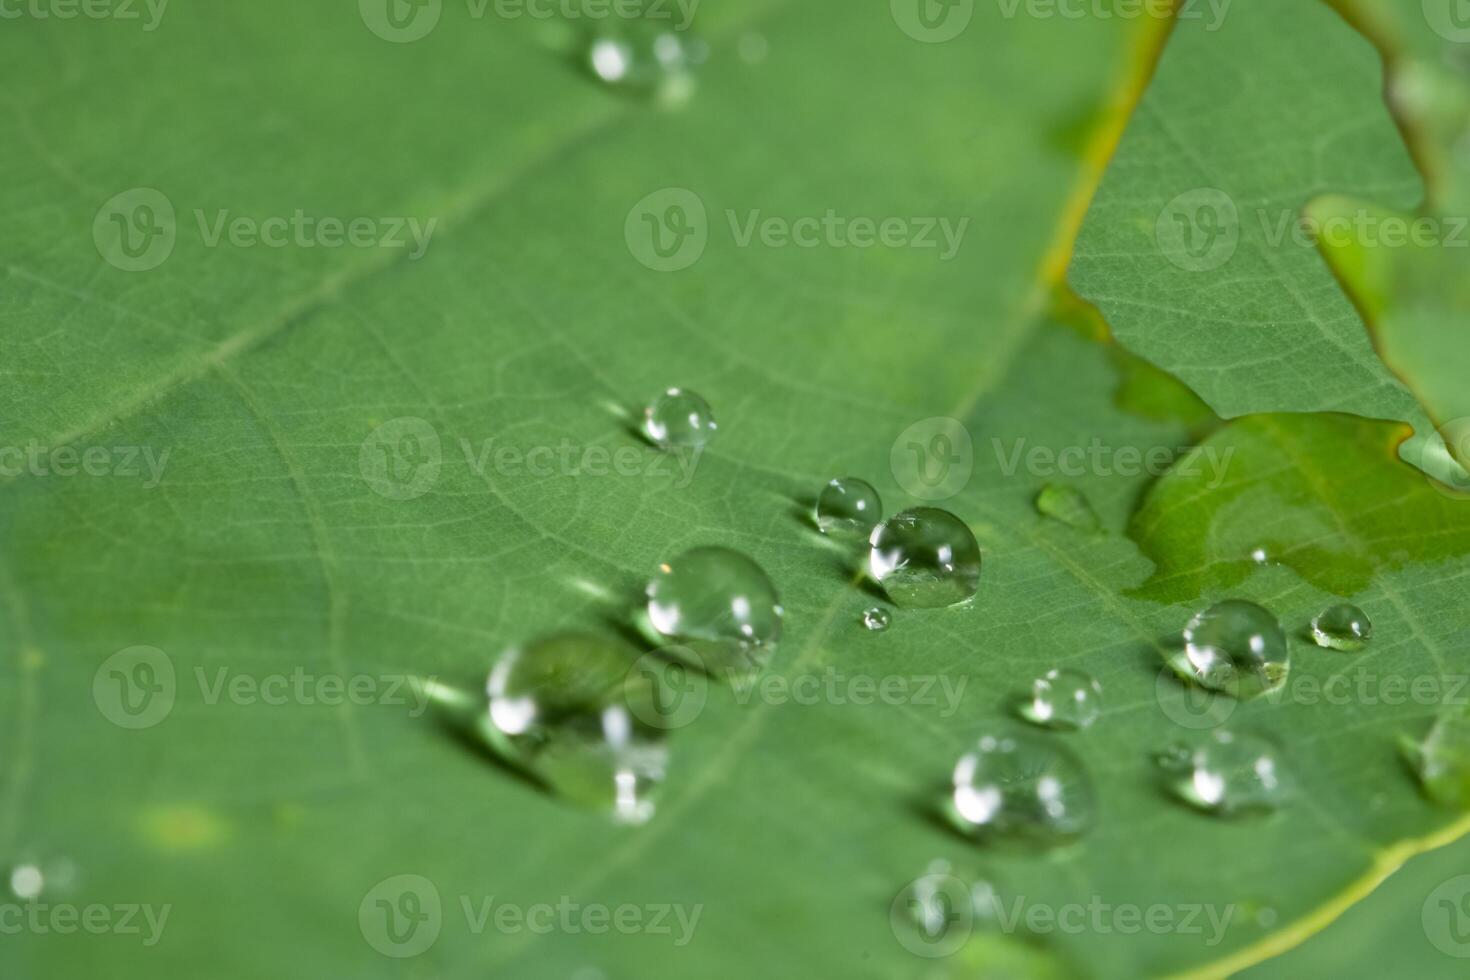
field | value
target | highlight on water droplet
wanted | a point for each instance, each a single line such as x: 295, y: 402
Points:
x: 876, y: 619
x: 1021, y: 787
x: 1069, y: 506
x: 1441, y: 759
x: 1342, y: 627
x: 1229, y: 773
x: 570, y: 711
x: 1063, y: 698
x: 26, y: 882
x: 679, y: 419
x: 1236, y: 647
x: 925, y: 558
x: 848, y: 508
x: 721, y: 604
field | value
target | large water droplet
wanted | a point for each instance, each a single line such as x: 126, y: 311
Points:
x: 1342, y: 627
x: 1064, y: 699
x: 1441, y: 759
x: 571, y: 711
x: 1023, y: 787
x: 1068, y: 505
x: 720, y: 604
x: 848, y: 507
x: 925, y: 558
x: 679, y: 419
x: 876, y: 619
x: 1229, y: 773
x: 1236, y: 647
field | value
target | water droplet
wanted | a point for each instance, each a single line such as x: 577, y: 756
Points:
x: 1068, y: 505
x: 569, y: 710
x: 925, y: 558
x: 637, y: 59
x: 1229, y: 773
x: 934, y: 915
x: 1260, y: 556
x: 1023, y: 787
x: 1441, y: 759
x: 1064, y: 699
x: 720, y: 604
x: 1236, y: 647
x: 876, y: 619
x: 1342, y: 627
x: 679, y: 419
x: 848, y: 507
x: 26, y: 881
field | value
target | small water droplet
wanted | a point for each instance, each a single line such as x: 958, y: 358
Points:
x: 1068, y: 505
x: 1230, y: 773
x: 934, y: 915
x: 1260, y: 556
x: 569, y: 710
x: 645, y: 61
x: 1064, y: 699
x: 719, y: 603
x: 1342, y: 627
x: 1021, y: 786
x: 876, y: 619
x: 679, y: 419
x: 848, y: 507
x: 1236, y: 647
x: 1441, y: 759
x: 925, y: 558
x: 26, y: 882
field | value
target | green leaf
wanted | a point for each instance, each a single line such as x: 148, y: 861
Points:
x: 278, y: 543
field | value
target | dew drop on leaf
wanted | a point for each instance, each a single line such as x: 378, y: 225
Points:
x: 1068, y: 505
x: 925, y: 558
x: 1021, y: 787
x: 720, y: 604
x: 848, y: 507
x: 571, y: 711
x: 1441, y: 759
x: 679, y: 419
x: 1063, y: 698
x: 648, y: 62
x: 1229, y: 773
x: 1342, y: 627
x: 1236, y: 647
x: 26, y: 881
x: 876, y: 619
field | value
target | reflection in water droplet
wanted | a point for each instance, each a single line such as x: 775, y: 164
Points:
x: 26, y: 881
x: 1441, y: 759
x: 848, y: 508
x: 877, y: 620
x: 1229, y: 773
x: 1021, y: 786
x: 1068, y: 505
x: 1064, y: 699
x: 571, y: 711
x: 925, y: 558
x: 719, y: 603
x: 1236, y: 647
x: 679, y: 419
x: 1342, y: 627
